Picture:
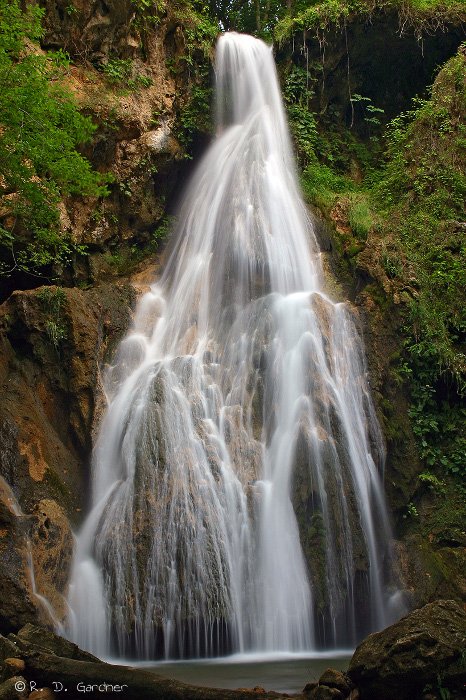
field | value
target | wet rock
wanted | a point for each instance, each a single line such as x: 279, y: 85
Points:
x: 52, y: 550
x: 17, y: 605
x: 423, y: 647
x: 12, y: 667
x: 13, y: 688
x: 33, y: 637
x: 336, y: 679
x: 42, y: 694
x: 90, y: 28
x: 323, y: 692
x: 7, y: 649
x: 52, y: 397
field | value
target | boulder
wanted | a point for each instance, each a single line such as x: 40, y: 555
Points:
x: 12, y: 667
x: 14, y: 689
x: 42, y: 694
x: 33, y: 637
x: 425, y: 648
x: 323, y: 692
x: 8, y: 650
x: 336, y: 679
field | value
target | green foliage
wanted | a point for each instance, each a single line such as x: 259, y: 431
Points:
x: 422, y: 191
x: 411, y: 511
x: 360, y: 216
x: 257, y: 17
x: 121, y: 72
x: 432, y: 482
x: 148, y: 14
x: 318, y: 15
x: 200, y: 30
x: 297, y: 93
x: 196, y: 116
x: 370, y: 113
x: 53, y: 299
x: 127, y: 259
x: 321, y: 185
x: 163, y: 229
x: 413, y: 202
x: 40, y: 128
x: 392, y: 265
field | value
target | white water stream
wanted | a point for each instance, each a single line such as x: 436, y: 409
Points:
x: 237, y: 499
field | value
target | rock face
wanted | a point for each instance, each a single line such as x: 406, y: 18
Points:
x: 17, y: 603
x: 425, y: 648
x: 373, y: 56
x: 53, y: 344
x: 136, y: 106
x: 52, y: 550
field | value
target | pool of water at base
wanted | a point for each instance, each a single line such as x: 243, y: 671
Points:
x: 283, y: 673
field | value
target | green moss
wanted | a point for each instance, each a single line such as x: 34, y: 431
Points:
x: 52, y: 300
x: 360, y: 216
x: 321, y: 185
x: 421, y: 15
x: 411, y: 207
x: 421, y: 192
x: 121, y: 72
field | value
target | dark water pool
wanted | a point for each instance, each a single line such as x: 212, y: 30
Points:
x: 285, y: 673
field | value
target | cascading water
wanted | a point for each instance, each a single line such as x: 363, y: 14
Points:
x: 237, y: 501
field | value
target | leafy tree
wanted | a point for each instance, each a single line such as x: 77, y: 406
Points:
x: 252, y: 16
x: 40, y: 129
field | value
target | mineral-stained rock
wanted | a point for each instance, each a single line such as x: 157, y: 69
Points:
x: 51, y: 400
x: 423, y: 648
x: 52, y: 549
x: 17, y: 605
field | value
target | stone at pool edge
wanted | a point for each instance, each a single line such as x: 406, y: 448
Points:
x: 38, y: 637
x: 332, y: 685
x: 8, y: 650
x: 403, y: 659
x: 8, y: 689
x: 323, y: 692
x: 12, y: 666
x: 337, y: 679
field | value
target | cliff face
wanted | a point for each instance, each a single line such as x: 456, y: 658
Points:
x: 54, y: 344
x: 394, y: 205
x: 132, y: 72
x: 135, y: 71
x: 144, y: 80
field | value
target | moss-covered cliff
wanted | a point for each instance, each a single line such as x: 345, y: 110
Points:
x: 391, y: 187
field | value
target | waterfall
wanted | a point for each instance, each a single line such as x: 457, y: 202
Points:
x: 237, y: 495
